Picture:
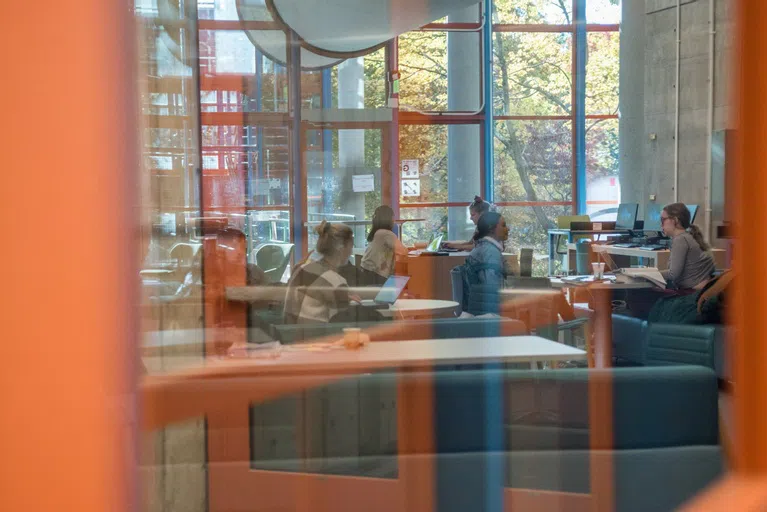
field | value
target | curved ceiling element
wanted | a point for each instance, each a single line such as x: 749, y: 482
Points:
x: 348, y: 28
x: 273, y: 43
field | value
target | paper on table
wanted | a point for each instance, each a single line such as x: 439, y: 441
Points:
x: 650, y: 274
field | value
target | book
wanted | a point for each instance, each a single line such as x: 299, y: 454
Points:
x: 650, y: 274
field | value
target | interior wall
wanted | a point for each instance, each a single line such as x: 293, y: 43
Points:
x: 647, y: 140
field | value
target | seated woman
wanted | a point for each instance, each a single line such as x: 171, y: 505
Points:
x: 476, y: 209
x: 486, y: 265
x: 316, y: 291
x: 691, y: 264
x: 383, y: 245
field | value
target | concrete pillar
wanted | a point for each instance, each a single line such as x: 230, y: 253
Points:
x: 351, y: 143
x: 464, y: 71
x: 632, y: 137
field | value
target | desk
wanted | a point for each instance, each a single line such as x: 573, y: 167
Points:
x: 431, y: 411
x: 430, y: 275
x: 554, y: 234
x: 657, y: 259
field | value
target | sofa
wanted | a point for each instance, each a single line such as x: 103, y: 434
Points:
x: 639, y: 343
x: 665, y: 445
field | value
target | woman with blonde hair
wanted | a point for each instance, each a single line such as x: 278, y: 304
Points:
x: 316, y: 291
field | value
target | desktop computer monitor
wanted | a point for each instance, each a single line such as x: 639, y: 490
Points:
x: 693, y: 211
x: 627, y: 216
x: 652, y: 217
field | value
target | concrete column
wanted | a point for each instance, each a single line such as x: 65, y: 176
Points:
x: 632, y: 137
x: 351, y: 143
x: 463, y: 147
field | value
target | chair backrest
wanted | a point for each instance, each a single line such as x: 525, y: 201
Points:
x: 456, y: 281
x: 675, y: 344
x: 273, y: 259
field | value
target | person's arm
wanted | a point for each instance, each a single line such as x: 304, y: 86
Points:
x: 460, y: 246
x: 399, y: 248
x: 679, y: 250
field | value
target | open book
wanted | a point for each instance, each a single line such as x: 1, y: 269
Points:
x: 649, y: 274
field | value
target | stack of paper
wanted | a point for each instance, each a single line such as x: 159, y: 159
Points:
x: 650, y: 274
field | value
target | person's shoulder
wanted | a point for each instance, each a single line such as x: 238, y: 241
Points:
x: 384, y: 234
x: 682, y: 240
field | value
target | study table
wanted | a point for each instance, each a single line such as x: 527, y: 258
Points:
x: 622, y: 256
x: 554, y: 235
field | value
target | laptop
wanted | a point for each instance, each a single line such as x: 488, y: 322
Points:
x: 389, y: 292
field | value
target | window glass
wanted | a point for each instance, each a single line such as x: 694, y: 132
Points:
x: 532, y: 73
x: 603, y: 11
x: 530, y: 12
x: 603, y: 191
x: 533, y: 161
x: 528, y: 228
x: 428, y: 61
x: 602, y: 72
x: 333, y: 192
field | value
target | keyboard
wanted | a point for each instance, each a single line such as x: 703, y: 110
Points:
x: 652, y: 247
x: 626, y: 246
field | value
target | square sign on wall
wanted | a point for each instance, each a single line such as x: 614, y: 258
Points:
x: 409, y: 169
x: 411, y: 188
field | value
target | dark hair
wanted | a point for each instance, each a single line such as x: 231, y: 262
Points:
x: 681, y: 213
x: 480, y: 206
x: 383, y: 218
x: 486, y: 225
x: 333, y: 237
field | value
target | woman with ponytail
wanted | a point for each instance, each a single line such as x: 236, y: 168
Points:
x: 691, y: 264
x: 316, y: 291
x: 476, y: 209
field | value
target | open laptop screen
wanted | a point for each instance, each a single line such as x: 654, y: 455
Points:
x: 434, y: 244
x: 392, y: 289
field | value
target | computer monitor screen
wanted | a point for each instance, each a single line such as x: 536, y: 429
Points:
x: 652, y: 217
x: 627, y: 216
x: 392, y: 289
x: 434, y: 244
x: 693, y: 211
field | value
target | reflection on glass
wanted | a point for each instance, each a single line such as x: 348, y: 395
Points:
x: 343, y: 179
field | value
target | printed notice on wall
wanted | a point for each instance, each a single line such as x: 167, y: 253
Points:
x: 363, y: 183
x: 409, y: 169
x: 411, y: 188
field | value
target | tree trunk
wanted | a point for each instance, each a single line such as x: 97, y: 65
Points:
x: 513, y: 143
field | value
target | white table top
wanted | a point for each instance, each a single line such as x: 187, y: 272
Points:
x: 386, y: 354
x: 415, y: 307
x: 621, y: 284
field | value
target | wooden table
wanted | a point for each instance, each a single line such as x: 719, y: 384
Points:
x: 430, y: 417
x: 430, y: 275
x: 602, y: 293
